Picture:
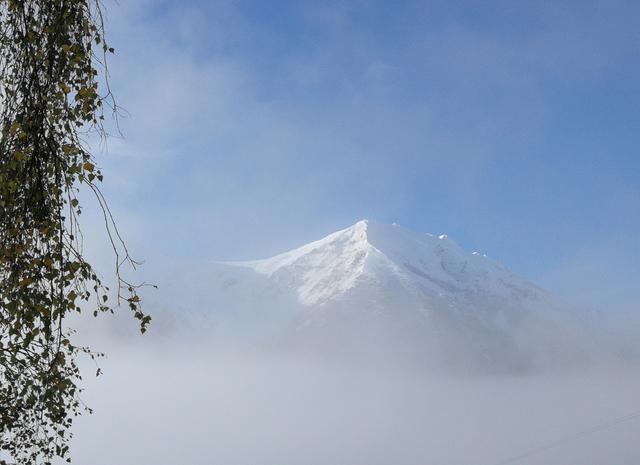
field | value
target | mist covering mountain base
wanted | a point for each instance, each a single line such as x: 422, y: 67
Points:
x: 372, y: 346
x: 382, y: 292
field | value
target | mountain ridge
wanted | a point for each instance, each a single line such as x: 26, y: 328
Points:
x: 332, y: 265
x: 370, y: 283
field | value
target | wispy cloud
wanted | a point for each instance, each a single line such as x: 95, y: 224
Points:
x: 253, y: 129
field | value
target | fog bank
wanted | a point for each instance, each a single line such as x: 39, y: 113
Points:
x: 192, y: 404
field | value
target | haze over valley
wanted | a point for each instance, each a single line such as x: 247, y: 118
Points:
x: 373, y: 345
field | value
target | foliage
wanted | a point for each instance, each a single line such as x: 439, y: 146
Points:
x: 52, y: 60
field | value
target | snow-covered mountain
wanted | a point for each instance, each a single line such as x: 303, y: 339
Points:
x: 383, y: 286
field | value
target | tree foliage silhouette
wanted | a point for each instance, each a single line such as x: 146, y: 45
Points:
x: 54, y: 94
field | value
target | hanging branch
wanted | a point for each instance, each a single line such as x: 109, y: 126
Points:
x: 52, y: 59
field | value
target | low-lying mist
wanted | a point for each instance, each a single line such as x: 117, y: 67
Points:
x: 182, y: 397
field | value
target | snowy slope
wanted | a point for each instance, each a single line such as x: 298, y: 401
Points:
x: 418, y: 287
x: 325, y: 270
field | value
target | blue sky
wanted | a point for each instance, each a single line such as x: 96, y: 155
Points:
x: 253, y: 127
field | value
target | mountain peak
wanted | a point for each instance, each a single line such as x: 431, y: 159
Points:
x: 378, y: 276
x: 370, y: 252
x: 362, y: 224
